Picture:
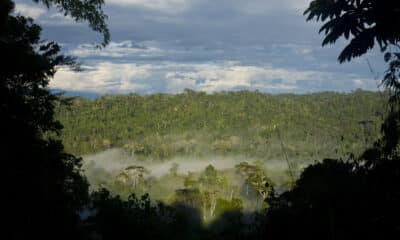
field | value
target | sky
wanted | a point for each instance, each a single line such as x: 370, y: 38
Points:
x: 205, y: 45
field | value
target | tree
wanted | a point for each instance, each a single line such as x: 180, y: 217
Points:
x: 366, y: 22
x: 83, y: 10
x: 363, y: 23
x: 115, y: 218
x: 173, y: 171
x: 136, y: 176
x: 189, y: 181
x: 209, y: 177
x: 357, y: 198
x: 45, y: 189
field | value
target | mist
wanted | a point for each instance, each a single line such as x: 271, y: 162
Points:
x: 116, y: 159
x: 103, y: 169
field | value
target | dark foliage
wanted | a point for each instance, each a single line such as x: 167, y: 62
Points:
x: 43, y: 186
x: 358, y: 198
x: 364, y: 22
x: 84, y: 10
x: 113, y: 218
x: 336, y: 200
x: 110, y: 217
x: 392, y: 76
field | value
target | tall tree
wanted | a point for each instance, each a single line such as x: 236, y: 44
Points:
x: 365, y: 23
x: 45, y: 189
x: 338, y: 199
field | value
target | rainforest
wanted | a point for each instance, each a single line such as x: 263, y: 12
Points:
x: 215, y: 153
x: 200, y: 120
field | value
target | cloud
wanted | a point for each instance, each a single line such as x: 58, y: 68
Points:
x: 210, y: 77
x: 116, y: 50
x: 273, y: 6
x: 103, y: 77
x: 228, y: 76
x: 206, y: 45
x: 29, y: 10
x: 166, y: 6
x: 43, y: 15
x: 57, y: 18
x: 366, y: 83
x: 298, y: 49
x: 220, y: 8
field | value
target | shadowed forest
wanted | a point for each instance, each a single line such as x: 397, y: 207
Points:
x: 227, y: 165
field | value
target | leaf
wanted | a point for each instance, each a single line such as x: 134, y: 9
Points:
x: 387, y: 56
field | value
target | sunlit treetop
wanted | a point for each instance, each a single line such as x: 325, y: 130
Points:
x: 363, y: 22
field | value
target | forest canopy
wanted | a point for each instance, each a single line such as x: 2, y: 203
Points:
x: 253, y: 124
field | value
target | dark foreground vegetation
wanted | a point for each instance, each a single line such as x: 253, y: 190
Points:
x: 47, y: 197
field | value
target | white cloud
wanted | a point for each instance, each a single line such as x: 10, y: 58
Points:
x: 43, y: 15
x: 212, y: 78
x: 298, y: 49
x: 116, y: 50
x: 174, y: 77
x: 103, y: 77
x: 358, y: 82
x: 366, y: 83
x: 29, y: 10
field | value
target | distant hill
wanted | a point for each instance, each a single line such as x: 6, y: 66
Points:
x: 82, y: 94
x: 163, y: 126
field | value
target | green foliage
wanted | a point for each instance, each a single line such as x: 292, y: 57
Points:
x: 255, y: 181
x: 209, y: 191
x: 224, y: 205
x: 189, y: 182
x: 163, y: 126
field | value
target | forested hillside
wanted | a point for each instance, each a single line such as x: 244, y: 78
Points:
x: 253, y: 124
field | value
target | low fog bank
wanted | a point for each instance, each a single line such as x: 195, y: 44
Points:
x: 116, y: 159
